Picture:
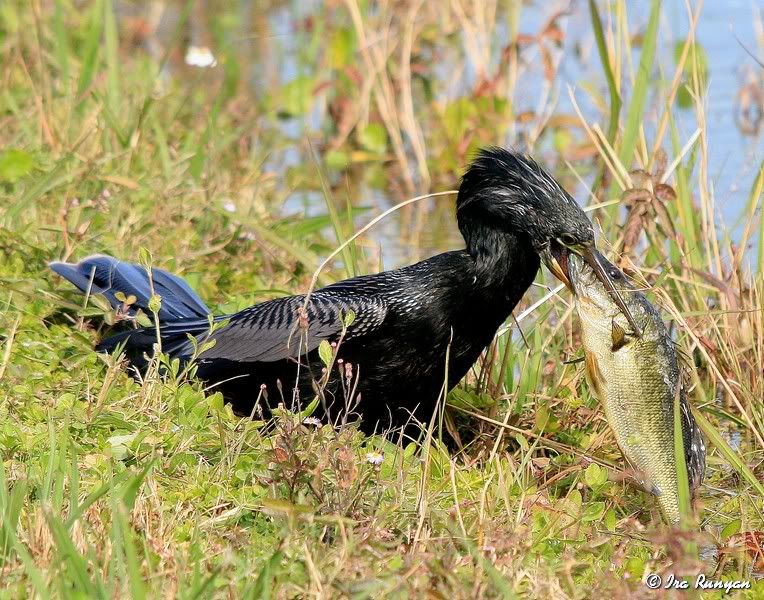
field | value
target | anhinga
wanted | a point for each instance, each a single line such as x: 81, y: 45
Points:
x: 391, y: 359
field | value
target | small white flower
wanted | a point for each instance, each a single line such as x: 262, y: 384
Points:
x: 375, y: 458
x: 200, y: 56
x: 312, y: 421
x: 229, y: 206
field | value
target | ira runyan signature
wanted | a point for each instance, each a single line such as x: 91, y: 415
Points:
x: 701, y: 582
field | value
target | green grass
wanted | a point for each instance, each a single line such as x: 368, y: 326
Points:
x: 109, y: 487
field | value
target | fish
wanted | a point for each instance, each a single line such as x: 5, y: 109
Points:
x: 637, y: 376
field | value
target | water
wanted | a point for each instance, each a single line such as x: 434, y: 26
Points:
x: 278, y: 43
x: 725, y: 30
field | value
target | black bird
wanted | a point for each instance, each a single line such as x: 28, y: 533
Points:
x: 406, y: 322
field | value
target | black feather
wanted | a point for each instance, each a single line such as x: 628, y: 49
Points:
x: 406, y: 321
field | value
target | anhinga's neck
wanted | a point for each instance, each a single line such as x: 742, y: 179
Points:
x: 505, y: 261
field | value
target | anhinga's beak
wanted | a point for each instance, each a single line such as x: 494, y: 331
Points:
x: 555, y: 256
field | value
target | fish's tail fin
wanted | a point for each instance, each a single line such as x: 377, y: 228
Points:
x: 105, y: 275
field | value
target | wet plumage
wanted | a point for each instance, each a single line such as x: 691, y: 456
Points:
x: 406, y: 321
x: 638, y: 380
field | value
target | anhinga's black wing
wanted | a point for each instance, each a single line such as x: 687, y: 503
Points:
x: 270, y: 331
x: 285, y: 327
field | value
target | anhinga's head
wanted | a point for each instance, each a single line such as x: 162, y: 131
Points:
x: 504, y: 191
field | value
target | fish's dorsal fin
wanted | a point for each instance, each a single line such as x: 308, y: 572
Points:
x: 618, y: 336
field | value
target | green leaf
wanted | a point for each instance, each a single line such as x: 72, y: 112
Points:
x: 595, y: 476
x: 373, y: 138
x: 128, y: 491
x: 111, y: 52
x: 11, y: 504
x: 9, y: 17
x: 61, y: 44
x: 264, y: 585
x: 635, y: 566
x: 89, y: 54
x: 593, y: 511
x: 696, y: 57
x: 469, y: 399
x: 610, y: 520
x: 119, y: 445
x: 77, y: 511
x: 697, y: 63
x: 562, y: 139
x: 731, y: 529
x: 634, y: 114
x: 325, y: 353
x: 615, y: 97
x: 541, y: 417
x: 10, y: 511
x: 341, y: 48
x: 155, y: 303
x: 310, y: 409
x: 410, y: 450
x: 76, y: 564
x: 41, y: 185
x: 144, y: 256
x: 217, y: 404
x: 15, y: 164
x: 456, y: 116
x: 296, y: 96
x: 337, y: 159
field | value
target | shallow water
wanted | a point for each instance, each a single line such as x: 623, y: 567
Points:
x: 277, y: 50
x: 734, y: 154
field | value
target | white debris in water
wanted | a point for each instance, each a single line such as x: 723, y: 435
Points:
x: 200, y: 56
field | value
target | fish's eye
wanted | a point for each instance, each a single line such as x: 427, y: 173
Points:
x: 568, y: 239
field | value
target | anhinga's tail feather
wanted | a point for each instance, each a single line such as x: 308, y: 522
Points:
x: 138, y: 344
x: 101, y: 274
x: 182, y: 312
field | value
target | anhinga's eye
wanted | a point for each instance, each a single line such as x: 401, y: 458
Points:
x: 568, y: 239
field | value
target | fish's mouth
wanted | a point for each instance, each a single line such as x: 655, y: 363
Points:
x: 556, y: 257
x: 599, y: 265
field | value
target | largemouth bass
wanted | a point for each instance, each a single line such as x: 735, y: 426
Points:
x: 637, y: 379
